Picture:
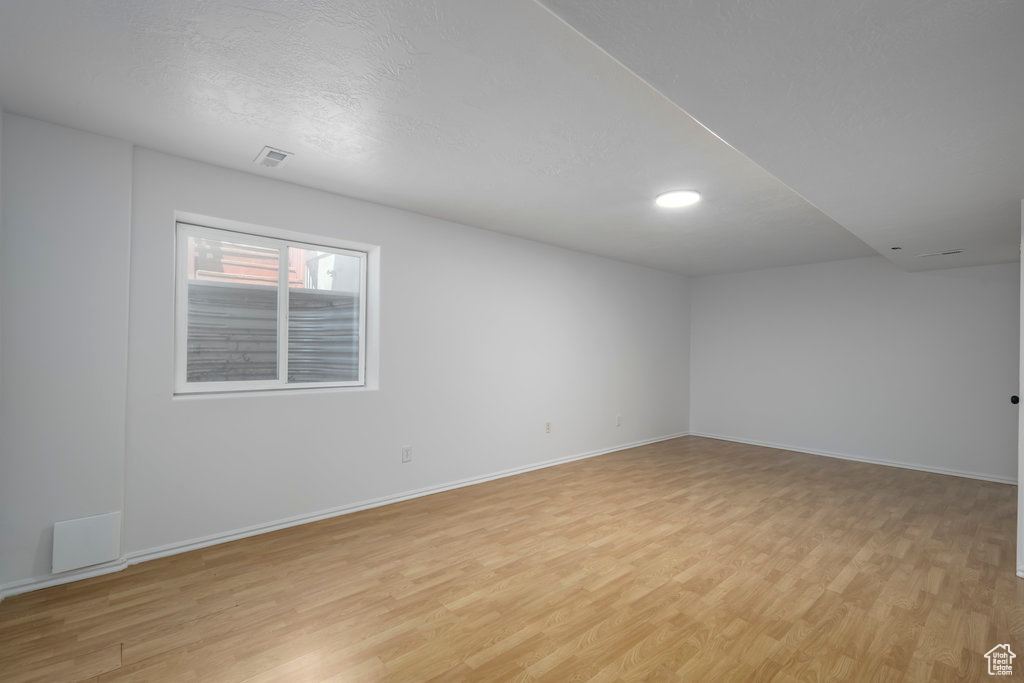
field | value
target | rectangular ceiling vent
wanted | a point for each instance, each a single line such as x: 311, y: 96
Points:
x: 272, y: 158
x: 948, y: 252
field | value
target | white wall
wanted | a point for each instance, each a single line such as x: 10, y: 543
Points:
x: 1020, y: 424
x: 64, y: 278
x: 484, y: 338
x: 857, y: 358
x: 1, y: 276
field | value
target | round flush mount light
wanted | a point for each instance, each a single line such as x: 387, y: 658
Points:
x: 677, y: 199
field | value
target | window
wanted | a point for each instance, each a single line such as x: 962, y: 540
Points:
x: 257, y: 313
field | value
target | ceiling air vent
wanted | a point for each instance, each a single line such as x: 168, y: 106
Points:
x: 272, y: 158
x: 948, y: 252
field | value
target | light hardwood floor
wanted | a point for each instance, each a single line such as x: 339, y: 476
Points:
x: 691, y: 559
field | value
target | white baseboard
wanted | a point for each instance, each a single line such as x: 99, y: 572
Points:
x: 36, y: 583
x: 858, y: 458
x: 46, y: 581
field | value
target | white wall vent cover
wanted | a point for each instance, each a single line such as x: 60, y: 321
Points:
x: 272, y: 158
x: 86, y: 541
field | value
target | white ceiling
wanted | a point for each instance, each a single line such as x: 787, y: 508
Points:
x: 901, y: 119
x: 494, y: 114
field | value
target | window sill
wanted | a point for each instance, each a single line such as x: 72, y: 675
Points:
x: 248, y: 393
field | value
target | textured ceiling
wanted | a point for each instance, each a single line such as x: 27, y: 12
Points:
x: 901, y: 119
x: 495, y: 114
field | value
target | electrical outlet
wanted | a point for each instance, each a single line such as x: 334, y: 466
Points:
x: 406, y: 453
x: 618, y: 420
x: 547, y: 427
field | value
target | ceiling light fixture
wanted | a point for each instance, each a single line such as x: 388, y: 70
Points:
x: 677, y: 199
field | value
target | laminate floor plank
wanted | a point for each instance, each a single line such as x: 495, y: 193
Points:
x: 691, y: 559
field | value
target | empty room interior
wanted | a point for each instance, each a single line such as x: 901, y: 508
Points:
x: 561, y: 340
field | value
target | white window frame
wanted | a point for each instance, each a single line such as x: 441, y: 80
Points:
x: 184, y: 230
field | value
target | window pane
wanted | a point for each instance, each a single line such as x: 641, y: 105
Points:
x: 232, y: 311
x: 323, y: 315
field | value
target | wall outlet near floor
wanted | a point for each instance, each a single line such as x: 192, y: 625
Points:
x: 406, y: 453
x: 618, y: 420
x: 547, y: 427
